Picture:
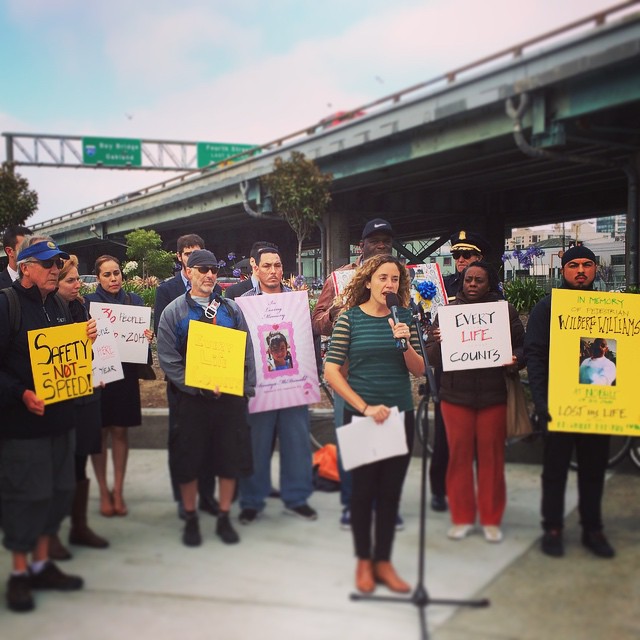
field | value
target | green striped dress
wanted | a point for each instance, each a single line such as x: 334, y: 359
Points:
x: 377, y: 371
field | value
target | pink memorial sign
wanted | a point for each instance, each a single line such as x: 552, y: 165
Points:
x: 280, y: 328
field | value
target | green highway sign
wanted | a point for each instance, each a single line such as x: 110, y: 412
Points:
x: 210, y: 152
x: 113, y: 152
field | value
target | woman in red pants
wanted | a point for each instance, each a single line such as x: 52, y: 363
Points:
x: 474, y: 408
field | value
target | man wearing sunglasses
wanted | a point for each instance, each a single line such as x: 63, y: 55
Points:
x: 165, y: 293
x: 211, y: 427
x: 37, y: 478
x: 467, y: 247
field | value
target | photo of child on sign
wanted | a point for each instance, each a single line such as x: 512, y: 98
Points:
x: 278, y: 353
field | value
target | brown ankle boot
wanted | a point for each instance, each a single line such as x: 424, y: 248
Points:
x: 386, y: 574
x: 80, y: 533
x: 364, y: 576
x: 57, y: 551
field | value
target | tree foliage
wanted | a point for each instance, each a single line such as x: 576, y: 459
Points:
x: 17, y: 201
x: 145, y: 248
x: 300, y: 193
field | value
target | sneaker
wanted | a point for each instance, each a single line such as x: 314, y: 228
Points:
x: 492, y: 534
x: 210, y: 506
x: 19, y: 593
x: 345, y: 519
x: 191, y: 534
x: 552, y: 544
x: 247, y: 516
x: 52, y: 578
x: 459, y: 531
x: 303, y: 511
x: 225, y: 531
x: 439, y: 503
x: 596, y: 542
x: 399, y: 523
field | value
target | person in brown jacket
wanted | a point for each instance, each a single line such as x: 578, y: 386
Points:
x: 474, y: 408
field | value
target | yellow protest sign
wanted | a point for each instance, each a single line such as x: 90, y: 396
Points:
x: 215, y: 358
x: 593, y: 360
x: 61, y: 362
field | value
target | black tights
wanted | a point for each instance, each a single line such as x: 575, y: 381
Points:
x: 81, y: 468
x: 378, y: 485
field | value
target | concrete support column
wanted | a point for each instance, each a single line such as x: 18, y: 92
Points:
x: 495, y: 234
x: 632, y: 239
x: 337, y: 240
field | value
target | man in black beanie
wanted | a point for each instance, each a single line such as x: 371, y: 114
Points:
x: 592, y: 450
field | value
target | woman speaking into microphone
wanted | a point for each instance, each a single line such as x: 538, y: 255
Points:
x: 380, y: 351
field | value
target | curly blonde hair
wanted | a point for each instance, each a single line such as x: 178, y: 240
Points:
x: 356, y: 293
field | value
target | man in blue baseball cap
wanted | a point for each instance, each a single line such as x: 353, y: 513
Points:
x: 37, y: 478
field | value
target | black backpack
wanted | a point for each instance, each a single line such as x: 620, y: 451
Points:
x: 15, y: 309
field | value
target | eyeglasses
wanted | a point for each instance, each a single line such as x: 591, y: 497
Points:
x: 463, y: 254
x: 205, y: 270
x: 48, y: 264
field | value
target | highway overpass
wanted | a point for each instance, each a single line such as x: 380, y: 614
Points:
x: 546, y: 131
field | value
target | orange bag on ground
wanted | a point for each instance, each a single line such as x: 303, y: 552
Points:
x: 326, y: 459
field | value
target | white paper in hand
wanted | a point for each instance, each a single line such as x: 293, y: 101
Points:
x: 363, y: 440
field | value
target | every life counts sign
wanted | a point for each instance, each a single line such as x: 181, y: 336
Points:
x: 61, y: 362
x: 475, y: 336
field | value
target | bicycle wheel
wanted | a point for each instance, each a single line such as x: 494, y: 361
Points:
x: 618, y: 447
x: 634, y: 451
x: 422, y: 425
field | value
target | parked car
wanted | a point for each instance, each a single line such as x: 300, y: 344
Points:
x: 89, y: 281
x: 226, y: 281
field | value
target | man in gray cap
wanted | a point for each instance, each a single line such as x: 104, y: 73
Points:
x: 578, y: 272
x: 37, y: 478
x: 209, y: 425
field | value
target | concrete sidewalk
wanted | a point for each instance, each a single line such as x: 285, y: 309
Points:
x: 290, y: 578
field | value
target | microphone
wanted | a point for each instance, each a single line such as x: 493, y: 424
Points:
x: 392, y: 303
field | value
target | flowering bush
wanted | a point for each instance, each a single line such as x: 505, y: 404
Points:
x: 129, y: 267
x: 296, y: 283
x: 526, y: 258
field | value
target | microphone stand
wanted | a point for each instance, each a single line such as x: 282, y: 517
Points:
x: 420, y: 597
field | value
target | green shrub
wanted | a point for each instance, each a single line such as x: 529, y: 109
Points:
x: 523, y: 293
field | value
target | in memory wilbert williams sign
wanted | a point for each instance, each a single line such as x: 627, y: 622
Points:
x: 475, y: 336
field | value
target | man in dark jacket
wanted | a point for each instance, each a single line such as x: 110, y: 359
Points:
x: 592, y: 450
x: 166, y: 293
x: 37, y: 479
x: 236, y: 290
x: 11, y: 240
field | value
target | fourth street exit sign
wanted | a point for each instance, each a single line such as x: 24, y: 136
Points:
x: 210, y: 152
x: 113, y: 152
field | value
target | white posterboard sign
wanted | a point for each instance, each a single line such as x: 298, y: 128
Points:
x: 128, y: 323
x: 107, y: 366
x: 363, y: 440
x: 475, y: 336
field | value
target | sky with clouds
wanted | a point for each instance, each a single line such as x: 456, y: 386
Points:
x: 246, y: 71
